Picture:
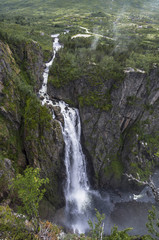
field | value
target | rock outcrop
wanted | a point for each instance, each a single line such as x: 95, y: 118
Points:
x: 7, y: 172
x: 124, y: 138
x: 28, y: 134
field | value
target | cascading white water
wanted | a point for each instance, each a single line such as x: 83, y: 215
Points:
x: 76, y: 187
x: 76, y: 191
x: 43, y: 90
x: 80, y: 200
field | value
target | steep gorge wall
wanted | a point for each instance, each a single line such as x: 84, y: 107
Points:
x: 28, y: 134
x: 123, y: 138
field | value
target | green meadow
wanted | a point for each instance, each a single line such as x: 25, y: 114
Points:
x: 130, y: 28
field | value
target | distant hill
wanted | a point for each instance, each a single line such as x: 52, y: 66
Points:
x: 51, y: 7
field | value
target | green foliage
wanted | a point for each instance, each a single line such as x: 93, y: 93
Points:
x: 119, y: 235
x: 97, y: 230
x: 36, y: 119
x: 144, y: 61
x: 96, y: 99
x: 153, y: 224
x: 97, y: 227
x: 132, y: 100
x: 15, y: 226
x: 150, y: 144
x: 133, y: 46
x: 77, y: 60
x: 9, y: 139
x: 64, y: 69
x: 28, y: 188
x: 112, y: 68
x: 70, y: 236
x: 143, y: 171
x: 4, y: 132
x: 53, y: 7
x: 12, y: 226
x: 17, y: 88
x: 17, y: 33
x: 152, y: 141
x: 114, y: 168
x: 52, y: 230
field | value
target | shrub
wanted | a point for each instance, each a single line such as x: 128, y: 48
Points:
x: 12, y: 226
x: 153, y: 224
x: 97, y: 227
x: 30, y: 192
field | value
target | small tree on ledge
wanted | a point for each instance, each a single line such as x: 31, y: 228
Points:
x: 30, y: 192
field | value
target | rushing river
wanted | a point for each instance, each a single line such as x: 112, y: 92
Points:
x: 124, y: 209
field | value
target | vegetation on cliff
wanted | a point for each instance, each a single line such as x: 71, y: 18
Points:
x: 30, y: 192
x: 24, y: 123
x: 123, y: 46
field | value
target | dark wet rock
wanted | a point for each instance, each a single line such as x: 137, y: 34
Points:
x: 7, y: 172
x: 58, y: 114
x: 148, y: 194
x: 41, y: 98
x: 46, y: 152
x: 116, y: 141
x: 30, y: 53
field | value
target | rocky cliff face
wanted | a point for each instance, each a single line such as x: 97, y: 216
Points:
x: 28, y: 135
x: 123, y: 138
x: 118, y: 136
x: 29, y: 57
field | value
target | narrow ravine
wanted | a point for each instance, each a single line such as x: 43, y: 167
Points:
x: 43, y: 90
x: 80, y: 199
x: 76, y: 188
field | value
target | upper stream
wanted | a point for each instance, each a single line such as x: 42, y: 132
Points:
x: 124, y: 209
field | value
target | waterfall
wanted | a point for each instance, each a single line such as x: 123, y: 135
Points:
x: 80, y: 200
x: 76, y: 188
x: 77, y: 182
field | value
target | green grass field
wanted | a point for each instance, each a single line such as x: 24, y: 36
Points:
x: 133, y: 24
